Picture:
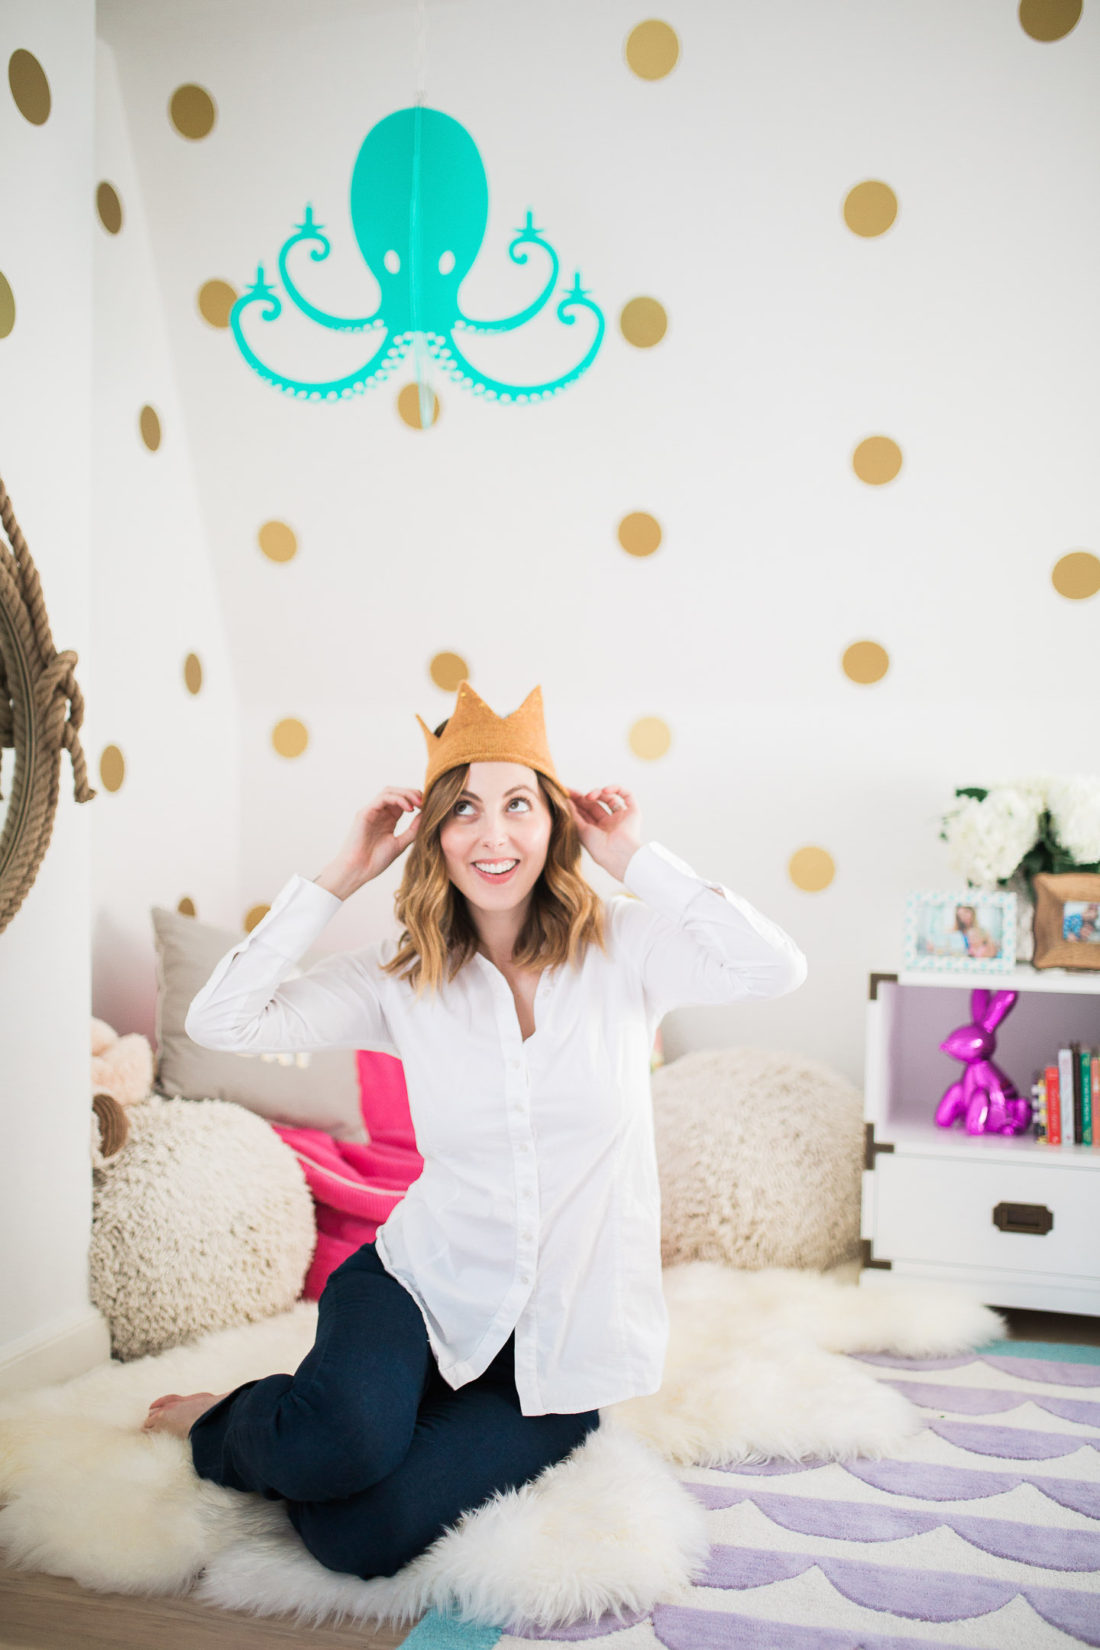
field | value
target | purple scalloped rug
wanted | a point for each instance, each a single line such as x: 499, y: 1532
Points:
x: 983, y: 1535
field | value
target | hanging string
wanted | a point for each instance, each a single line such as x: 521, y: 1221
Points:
x: 421, y: 47
x: 425, y: 397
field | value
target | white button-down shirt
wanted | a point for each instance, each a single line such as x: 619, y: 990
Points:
x: 538, y: 1208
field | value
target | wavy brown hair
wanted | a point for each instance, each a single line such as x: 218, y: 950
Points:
x: 565, y: 915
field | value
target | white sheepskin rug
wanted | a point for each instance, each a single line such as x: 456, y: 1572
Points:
x: 754, y: 1372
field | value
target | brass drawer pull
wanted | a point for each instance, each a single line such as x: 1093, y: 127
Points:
x: 1023, y: 1217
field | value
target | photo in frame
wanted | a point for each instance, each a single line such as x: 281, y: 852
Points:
x: 963, y: 931
x: 1067, y: 919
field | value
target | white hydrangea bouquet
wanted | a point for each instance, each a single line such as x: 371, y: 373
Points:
x: 1005, y: 835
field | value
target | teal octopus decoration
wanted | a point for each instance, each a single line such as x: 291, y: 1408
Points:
x: 419, y: 207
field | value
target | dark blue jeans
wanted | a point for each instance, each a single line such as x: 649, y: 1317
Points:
x: 373, y: 1452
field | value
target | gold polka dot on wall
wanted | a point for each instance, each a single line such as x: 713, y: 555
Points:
x: 408, y: 406
x: 216, y: 299
x: 1077, y: 576
x: 29, y: 87
x: 192, y: 673
x: 278, y: 541
x: 186, y: 907
x: 254, y: 916
x: 289, y: 736
x: 811, y: 869
x: 639, y: 534
x: 870, y: 208
x: 109, y: 207
x: 1049, y: 19
x: 877, y: 460
x: 652, y: 49
x: 7, y: 306
x: 192, y: 111
x: 643, y: 322
x: 149, y: 425
x: 447, y: 670
x: 112, y: 768
x: 650, y: 737
x: 865, y: 662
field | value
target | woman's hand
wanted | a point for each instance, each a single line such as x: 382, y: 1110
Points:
x: 371, y: 846
x: 610, y: 826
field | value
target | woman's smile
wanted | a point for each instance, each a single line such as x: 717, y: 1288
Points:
x: 489, y: 869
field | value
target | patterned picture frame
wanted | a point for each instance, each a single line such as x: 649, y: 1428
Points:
x: 935, y: 935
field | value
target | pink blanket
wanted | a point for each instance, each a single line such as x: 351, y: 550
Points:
x: 354, y: 1187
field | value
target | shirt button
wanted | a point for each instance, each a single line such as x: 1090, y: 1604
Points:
x: 527, y: 1236
x: 525, y: 1277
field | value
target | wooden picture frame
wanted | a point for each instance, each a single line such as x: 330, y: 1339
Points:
x: 1062, y: 901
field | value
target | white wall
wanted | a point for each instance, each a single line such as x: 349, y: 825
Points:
x: 967, y: 332
x: 47, y: 1328
x: 172, y: 829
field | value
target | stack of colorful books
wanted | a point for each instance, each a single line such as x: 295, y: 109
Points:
x: 1063, y: 1098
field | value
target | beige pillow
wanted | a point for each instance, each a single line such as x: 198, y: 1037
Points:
x: 309, y: 1090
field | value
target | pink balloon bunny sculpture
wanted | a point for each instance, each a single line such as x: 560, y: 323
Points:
x: 984, y: 1096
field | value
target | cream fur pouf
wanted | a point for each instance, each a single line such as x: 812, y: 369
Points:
x: 203, y: 1220
x: 760, y: 1155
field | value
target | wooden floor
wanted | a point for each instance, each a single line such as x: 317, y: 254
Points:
x: 44, y: 1612
x: 41, y: 1612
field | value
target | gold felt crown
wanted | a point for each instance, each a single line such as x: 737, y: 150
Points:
x: 474, y: 733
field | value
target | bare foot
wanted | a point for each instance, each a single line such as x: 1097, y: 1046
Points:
x: 177, y: 1414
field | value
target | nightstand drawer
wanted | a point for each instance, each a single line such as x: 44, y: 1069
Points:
x: 942, y: 1210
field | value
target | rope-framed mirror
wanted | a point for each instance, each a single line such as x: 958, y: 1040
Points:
x: 37, y: 687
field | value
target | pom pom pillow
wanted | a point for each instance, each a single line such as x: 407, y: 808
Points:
x: 203, y: 1220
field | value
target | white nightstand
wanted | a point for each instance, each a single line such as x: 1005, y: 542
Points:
x: 1011, y: 1218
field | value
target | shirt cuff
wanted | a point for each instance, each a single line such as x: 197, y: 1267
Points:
x: 663, y: 880
x: 299, y: 912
